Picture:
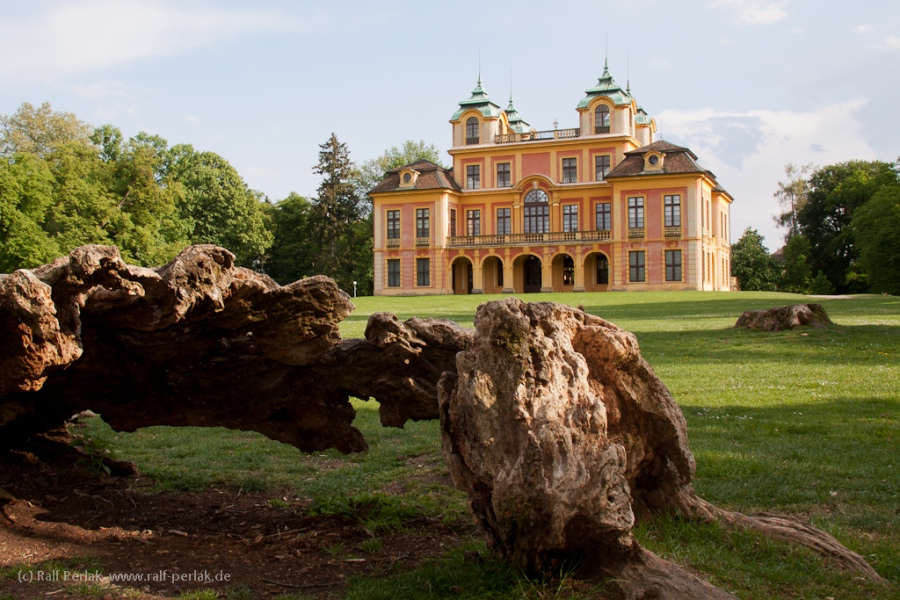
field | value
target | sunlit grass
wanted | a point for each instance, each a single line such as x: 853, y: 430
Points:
x: 800, y: 422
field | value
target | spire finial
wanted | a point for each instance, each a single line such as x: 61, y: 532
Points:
x: 627, y: 74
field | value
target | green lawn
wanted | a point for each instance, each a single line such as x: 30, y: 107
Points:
x: 802, y: 422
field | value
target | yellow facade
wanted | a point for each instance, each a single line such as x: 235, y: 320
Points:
x: 602, y: 207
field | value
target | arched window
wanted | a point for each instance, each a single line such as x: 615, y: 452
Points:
x: 601, y: 119
x: 537, y: 212
x: 472, y: 136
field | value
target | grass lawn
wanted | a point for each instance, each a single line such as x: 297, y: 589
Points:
x: 799, y: 422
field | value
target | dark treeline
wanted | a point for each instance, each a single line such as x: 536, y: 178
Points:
x: 842, y: 236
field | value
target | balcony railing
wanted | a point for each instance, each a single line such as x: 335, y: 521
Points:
x: 601, y: 129
x: 522, y: 239
x: 673, y: 231
x: 392, y: 243
x: 537, y: 136
x: 423, y: 242
x: 635, y: 233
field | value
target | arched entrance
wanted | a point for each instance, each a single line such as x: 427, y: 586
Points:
x: 532, y: 275
x: 492, y: 275
x: 596, y: 272
x: 563, y: 273
x: 461, y: 274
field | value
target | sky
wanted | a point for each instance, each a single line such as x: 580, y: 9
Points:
x: 748, y: 85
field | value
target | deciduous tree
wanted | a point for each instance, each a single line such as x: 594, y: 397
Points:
x: 791, y: 196
x: 220, y: 207
x: 835, y: 192
x: 751, y: 263
x: 876, y: 229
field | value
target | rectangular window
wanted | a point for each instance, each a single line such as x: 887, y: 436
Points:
x: 635, y: 212
x: 636, y: 266
x: 672, y: 210
x: 503, y: 178
x: 393, y: 272
x: 423, y: 223
x: 393, y: 224
x: 601, y: 167
x: 673, y: 265
x: 423, y: 272
x: 452, y: 221
x: 570, y: 170
x: 473, y: 177
x: 604, y: 220
x: 570, y: 217
x: 503, y: 222
x: 473, y: 222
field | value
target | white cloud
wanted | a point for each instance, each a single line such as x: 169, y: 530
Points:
x: 89, y: 35
x: 747, y: 150
x: 891, y: 42
x: 754, y: 12
x: 193, y: 120
x: 797, y: 30
x: 861, y: 29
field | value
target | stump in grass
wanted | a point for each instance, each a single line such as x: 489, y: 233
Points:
x: 785, y: 317
x: 555, y: 426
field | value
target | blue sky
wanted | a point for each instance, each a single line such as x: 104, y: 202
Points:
x: 748, y: 85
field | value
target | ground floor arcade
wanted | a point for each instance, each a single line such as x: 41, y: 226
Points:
x: 690, y: 265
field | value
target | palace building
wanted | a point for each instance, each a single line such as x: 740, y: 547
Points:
x: 601, y: 207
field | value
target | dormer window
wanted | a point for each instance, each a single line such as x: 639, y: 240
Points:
x: 653, y: 161
x: 472, y: 136
x: 601, y: 119
x: 408, y: 178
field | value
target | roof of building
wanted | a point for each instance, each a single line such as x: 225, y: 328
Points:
x: 641, y: 117
x: 516, y: 122
x: 606, y: 86
x: 479, y: 101
x: 678, y: 159
x: 431, y: 177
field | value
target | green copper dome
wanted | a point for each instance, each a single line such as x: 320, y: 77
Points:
x: 479, y: 101
x: 606, y: 86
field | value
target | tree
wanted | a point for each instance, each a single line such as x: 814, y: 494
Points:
x: 791, y: 196
x: 876, y: 229
x: 751, y: 263
x: 219, y: 206
x: 835, y: 192
x: 294, y: 242
x: 373, y: 171
x: 26, y: 195
x: 40, y: 131
x: 796, y: 274
x: 338, y: 210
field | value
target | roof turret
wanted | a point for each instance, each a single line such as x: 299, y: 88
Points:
x: 479, y: 101
x: 516, y: 122
x: 606, y: 86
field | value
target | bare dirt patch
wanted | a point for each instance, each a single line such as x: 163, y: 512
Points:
x: 59, y: 522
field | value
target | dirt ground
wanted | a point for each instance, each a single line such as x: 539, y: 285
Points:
x: 59, y: 524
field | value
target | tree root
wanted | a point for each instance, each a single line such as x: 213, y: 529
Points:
x: 645, y: 576
x: 783, y: 528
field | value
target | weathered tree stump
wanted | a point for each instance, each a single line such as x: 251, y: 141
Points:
x: 555, y: 426
x: 785, y: 317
